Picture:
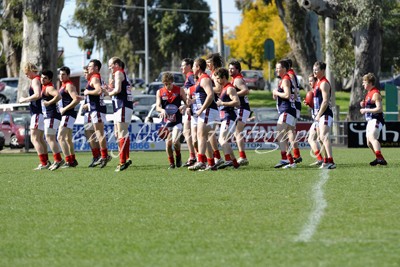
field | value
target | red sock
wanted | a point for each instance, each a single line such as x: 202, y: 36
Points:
x: 326, y: 160
x: 283, y: 155
x: 228, y: 157
x: 68, y: 159
x: 216, y: 154
x: 127, y: 148
x: 171, y: 160
x: 290, y: 158
x: 330, y: 160
x: 378, y: 154
x: 318, y: 154
x: 235, y: 163
x: 201, y: 158
x: 96, y: 152
x: 242, y: 154
x: 192, y: 155
x: 210, y: 162
x: 296, y: 152
x: 121, y: 146
x: 73, y: 157
x: 57, y: 157
x: 42, y: 158
x: 177, y: 152
x: 104, y: 153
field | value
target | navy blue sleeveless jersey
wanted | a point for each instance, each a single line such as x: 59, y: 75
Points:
x: 226, y: 113
x: 244, y: 100
x: 36, y: 105
x: 369, y: 103
x: 66, y: 99
x: 96, y: 102
x: 124, y: 98
x: 50, y: 111
x: 171, y: 101
x: 286, y: 105
x: 318, y: 98
x: 201, y: 94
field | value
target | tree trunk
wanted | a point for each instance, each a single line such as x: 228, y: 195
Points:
x: 11, y: 55
x: 326, y: 8
x: 368, y: 46
x: 41, y: 20
x: 367, y: 50
x: 11, y: 49
x: 302, y: 34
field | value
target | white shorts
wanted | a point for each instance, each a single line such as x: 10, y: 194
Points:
x: 97, y: 117
x: 178, y: 126
x: 193, y: 121
x: 68, y: 122
x: 325, y: 120
x: 50, y: 126
x: 209, y: 116
x: 374, y: 127
x: 227, y: 126
x: 185, y: 117
x: 287, y: 118
x: 123, y: 115
x: 314, y: 126
x: 87, y: 121
x: 242, y: 115
x: 37, y: 122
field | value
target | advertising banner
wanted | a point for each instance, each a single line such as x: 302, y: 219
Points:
x: 389, y: 136
x: 144, y: 136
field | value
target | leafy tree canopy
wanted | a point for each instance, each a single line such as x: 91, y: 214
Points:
x: 118, y: 28
x: 260, y: 21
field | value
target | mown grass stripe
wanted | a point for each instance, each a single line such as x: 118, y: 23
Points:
x: 319, y: 206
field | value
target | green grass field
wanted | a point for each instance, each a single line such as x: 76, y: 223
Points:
x: 151, y: 216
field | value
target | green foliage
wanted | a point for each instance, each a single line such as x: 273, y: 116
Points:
x: 353, y: 16
x: 118, y: 28
x: 149, y: 216
x: 391, y: 37
x: 12, y: 22
x: 260, y: 21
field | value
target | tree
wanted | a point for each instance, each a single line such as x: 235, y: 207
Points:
x: 364, y: 20
x: 259, y: 22
x: 41, y: 20
x: 391, y: 38
x: 11, y: 25
x: 302, y: 32
x: 118, y: 28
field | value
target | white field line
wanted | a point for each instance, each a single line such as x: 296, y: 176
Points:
x: 319, y: 207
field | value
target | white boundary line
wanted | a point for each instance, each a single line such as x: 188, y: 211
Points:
x: 319, y: 206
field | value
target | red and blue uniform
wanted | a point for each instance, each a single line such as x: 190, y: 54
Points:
x: 171, y: 101
x: 244, y: 100
x: 201, y: 94
x: 36, y: 105
x: 96, y: 102
x: 369, y: 103
x: 124, y: 98
x: 226, y: 113
x: 189, y: 80
x: 318, y: 98
x: 66, y: 99
x: 52, y: 110
x: 286, y: 105
x: 296, y: 85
